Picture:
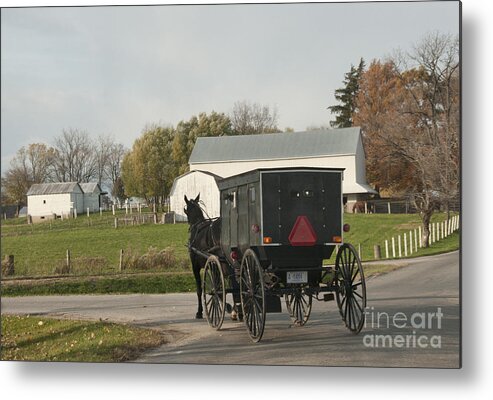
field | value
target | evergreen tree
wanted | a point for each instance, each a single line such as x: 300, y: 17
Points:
x: 346, y: 96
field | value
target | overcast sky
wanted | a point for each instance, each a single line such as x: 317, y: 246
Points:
x: 112, y: 70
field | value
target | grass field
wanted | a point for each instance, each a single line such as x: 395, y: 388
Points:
x: 35, y: 338
x: 94, y: 243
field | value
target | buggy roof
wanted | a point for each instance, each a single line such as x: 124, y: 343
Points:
x: 254, y: 175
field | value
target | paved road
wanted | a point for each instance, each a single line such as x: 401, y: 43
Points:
x: 412, y: 321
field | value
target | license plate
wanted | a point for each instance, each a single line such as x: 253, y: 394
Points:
x: 297, y: 277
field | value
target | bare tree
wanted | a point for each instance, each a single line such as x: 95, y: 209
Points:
x: 250, y: 119
x: 113, y: 168
x: 102, y: 152
x: 75, y: 157
x: 31, y: 164
x: 409, y: 112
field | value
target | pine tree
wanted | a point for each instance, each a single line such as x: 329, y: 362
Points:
x: 346, y: 96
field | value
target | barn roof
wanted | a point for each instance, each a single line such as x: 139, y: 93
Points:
x: 329, y: 142
x: 54, y: 188
x: 90, y: 187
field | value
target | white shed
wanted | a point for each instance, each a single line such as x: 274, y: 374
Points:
x: 48, y: 200
x: 92, y: 196
x: 336, y: 148
x: 191, y: 184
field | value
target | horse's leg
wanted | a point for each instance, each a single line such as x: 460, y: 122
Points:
x: 198, y: 283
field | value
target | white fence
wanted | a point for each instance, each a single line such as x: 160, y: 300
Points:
x: 410, y: 242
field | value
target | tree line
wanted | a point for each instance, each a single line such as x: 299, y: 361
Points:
x: 147, y: 170
x: 408, y: 108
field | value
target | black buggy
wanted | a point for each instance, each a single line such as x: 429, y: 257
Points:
x: 277, y: 227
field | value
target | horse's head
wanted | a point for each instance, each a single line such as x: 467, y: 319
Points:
x: 193, y: 210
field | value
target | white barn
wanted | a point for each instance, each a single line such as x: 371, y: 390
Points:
x: 191, y: 184
x: 337, y: 148
x: 49, y: 200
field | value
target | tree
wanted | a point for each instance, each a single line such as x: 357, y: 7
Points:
x: 148, y: 169
x: 409, y: 115
x: 31, y: 164
x: 346, y: 96
x: 187, y: 132
x: 114, y: 163
x: 118, y: 190
x: 102, y: 153
x: 251, y: 119
x: 75, y: 157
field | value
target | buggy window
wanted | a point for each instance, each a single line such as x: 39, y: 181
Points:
x: 252, y: 194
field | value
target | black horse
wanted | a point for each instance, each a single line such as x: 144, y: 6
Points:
x: 205, y: 237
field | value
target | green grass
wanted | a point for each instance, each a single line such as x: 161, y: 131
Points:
x: 153, y: 283
x: 39, y: 250
x: 94, y: 243
x: 368, y: 230
x: 32, y: 338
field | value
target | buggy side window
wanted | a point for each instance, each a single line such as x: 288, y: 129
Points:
x: 252, y: 194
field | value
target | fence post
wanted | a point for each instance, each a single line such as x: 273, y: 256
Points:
x: 386, y: 248
x: 113, y: 209
x: 68, y: 261
x: 366, y: 207
x: 388, y: 207
x: 405, y: 244
x: 410, y: 242
x: 420, y: 237
x: 116, y: 223
x: 121, y: 260
x: 376, y: 252
x: 393, y: 247
x: 359, y: 250
x: 399, y: 240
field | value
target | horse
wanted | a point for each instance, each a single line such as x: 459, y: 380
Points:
x: 204, y: 236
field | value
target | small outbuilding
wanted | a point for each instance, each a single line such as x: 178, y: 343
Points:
x: 92, y: 196
x: 52, y: 200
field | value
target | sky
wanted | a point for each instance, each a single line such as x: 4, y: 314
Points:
x: 113, y: 70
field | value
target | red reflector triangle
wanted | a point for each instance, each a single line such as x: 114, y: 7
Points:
x: 302, y: 233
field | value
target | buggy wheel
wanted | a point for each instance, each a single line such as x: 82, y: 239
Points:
x: 214, y: 292
x: 299, y: 305
x: 351, y: 288
x: 252, y: 295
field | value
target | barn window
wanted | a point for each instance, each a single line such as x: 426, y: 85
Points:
x: 234, y: 199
